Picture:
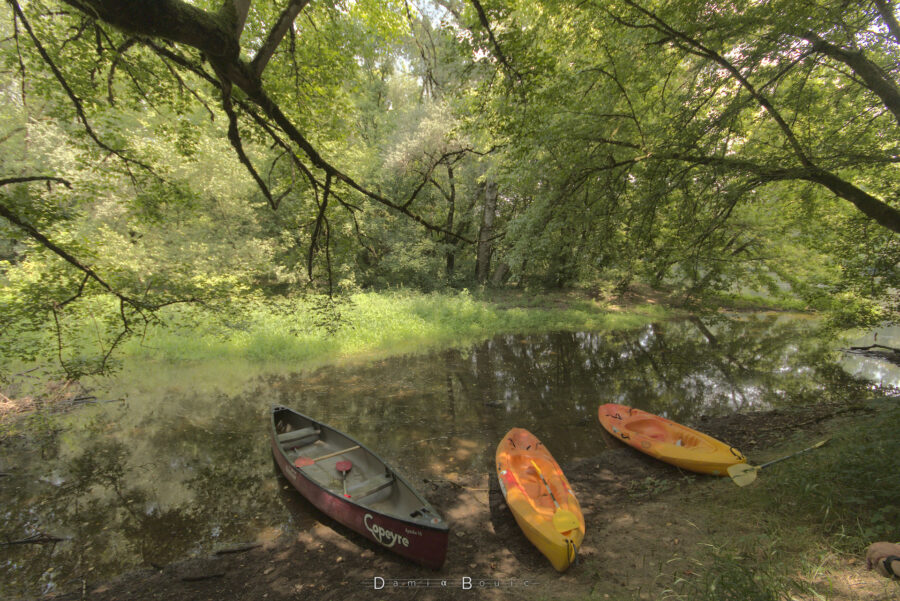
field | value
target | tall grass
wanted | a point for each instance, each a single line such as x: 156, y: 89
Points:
x: 319, y: 329
x: 847, y: 491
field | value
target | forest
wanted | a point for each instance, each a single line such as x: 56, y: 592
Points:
x: 214, y: 154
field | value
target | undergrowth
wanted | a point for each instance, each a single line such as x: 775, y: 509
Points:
x: 309, y: 329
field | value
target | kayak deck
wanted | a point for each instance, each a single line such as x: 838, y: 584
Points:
x: 669, y: 441
x: 521, y: 460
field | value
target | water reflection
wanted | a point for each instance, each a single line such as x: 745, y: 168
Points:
x: 183, y: 467
x: 875, y: 369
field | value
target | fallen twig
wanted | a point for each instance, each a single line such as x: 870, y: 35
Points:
x: 26, y: 372
x: 202, y: 577
x: 34, y: 539
x: 238, y: 548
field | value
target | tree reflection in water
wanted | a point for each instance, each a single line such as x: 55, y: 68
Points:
x: 177, y: 473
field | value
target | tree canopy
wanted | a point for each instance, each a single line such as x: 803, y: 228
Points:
x: 169, y: 151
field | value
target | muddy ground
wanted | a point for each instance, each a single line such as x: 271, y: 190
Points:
x: 635, y: 545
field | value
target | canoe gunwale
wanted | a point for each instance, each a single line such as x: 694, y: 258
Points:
x: 423, y: 543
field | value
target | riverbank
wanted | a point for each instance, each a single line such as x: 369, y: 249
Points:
x: 654, y: 532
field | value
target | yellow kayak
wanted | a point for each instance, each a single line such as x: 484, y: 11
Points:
x: 669, y: 441
x: 551, y: 519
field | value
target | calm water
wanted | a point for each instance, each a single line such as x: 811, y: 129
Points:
x: 182, y: 466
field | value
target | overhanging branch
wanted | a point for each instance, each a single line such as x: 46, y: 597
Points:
x: 278, y: 31
x: 871, y: 74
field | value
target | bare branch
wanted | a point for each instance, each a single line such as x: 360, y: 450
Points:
x: 318, y: 227
x: 34, y: 178
x: 173, y: 20
x: 236, y: 11
x: 234, y: 136
x: 46, y: 242
x: 120, y: 53
x: 887, y: 12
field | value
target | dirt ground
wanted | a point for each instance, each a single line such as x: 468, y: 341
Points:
x: 620, y: 491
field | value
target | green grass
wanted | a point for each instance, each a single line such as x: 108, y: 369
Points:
x: 845, y: 492
x: 313, y: 329
x: 308, y: 330
x: 780, y: 534
x: 724, y: 576
x: 752, y: 302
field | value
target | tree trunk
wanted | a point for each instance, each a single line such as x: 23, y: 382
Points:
x: 501, y: 274
x: 450, y: 254
x: 485, y: 235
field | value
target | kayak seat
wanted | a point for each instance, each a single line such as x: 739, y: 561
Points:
x: 527, y: 476
x: 650, y: 428
x: 303, y: 436
x: 688, y: 440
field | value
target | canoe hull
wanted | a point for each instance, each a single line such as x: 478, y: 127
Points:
x: 528, y: 500
x: 414, y: 541
x: 669, y: 441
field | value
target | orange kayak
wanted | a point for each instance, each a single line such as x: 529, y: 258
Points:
x: 669, y: 441
x: 551, y: 520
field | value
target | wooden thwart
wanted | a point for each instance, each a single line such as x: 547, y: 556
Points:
x: 303, y: 461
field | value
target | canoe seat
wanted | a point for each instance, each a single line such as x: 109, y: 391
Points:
x: 370, y: 486
x: 297, y: 435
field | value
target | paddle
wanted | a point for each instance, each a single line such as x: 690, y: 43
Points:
x: 343, y: 467
x: 563, y: 520
x: 743, y: 474
x: 304, y: 461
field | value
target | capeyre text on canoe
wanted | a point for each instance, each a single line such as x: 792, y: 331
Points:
x: 351, y: 484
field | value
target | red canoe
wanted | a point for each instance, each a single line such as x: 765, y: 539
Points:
x: 370, y: 498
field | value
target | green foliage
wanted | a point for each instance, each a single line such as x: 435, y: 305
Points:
x: 850, y: 310
x: 621, y: 155
x: 646, y: 158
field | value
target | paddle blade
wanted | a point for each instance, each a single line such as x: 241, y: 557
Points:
x: 564, y: 520
x: 742, y: 474
x: 303, y: 461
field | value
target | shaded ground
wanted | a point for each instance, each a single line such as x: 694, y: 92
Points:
x: 621, y: 492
